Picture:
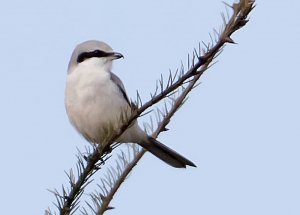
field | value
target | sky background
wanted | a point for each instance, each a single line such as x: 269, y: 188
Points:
x: 241, y: 126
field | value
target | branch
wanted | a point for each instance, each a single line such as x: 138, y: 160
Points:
x: 237, y: 20
x: 87, y: 166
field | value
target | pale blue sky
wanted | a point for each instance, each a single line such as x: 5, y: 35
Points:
x: 240, y: 126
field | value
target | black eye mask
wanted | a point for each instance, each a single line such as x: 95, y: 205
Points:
x: 96, y: 53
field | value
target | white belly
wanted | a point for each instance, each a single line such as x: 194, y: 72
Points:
x: 95, y: 104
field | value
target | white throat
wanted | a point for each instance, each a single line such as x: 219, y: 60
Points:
x: 102, y: 64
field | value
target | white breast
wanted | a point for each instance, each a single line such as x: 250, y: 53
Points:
x: 93, y: 101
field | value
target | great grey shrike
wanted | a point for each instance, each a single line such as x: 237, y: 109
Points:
x: 95, y: 97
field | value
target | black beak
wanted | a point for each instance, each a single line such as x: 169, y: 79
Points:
x: 116, y: 55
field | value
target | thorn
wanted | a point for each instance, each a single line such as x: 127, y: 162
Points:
x: 228, y: 5
x: 243, y: 22
x: 229, y: 40
x: 165, y: 129
x: 110, y: 208
x: 102, y: 197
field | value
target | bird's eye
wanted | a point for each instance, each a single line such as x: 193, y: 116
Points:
x: 96, y: 52
x: 99, y: 53
x: 86, y: 55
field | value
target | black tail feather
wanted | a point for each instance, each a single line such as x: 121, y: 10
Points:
x: 166, y: 154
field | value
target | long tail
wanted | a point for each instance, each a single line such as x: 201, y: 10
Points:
x: 166, y: 154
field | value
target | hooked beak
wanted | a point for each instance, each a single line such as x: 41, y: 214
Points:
x: 115, y: 55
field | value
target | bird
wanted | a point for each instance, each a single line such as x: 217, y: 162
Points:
x: 95, y: 97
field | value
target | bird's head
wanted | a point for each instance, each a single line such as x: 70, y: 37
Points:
x: 93, y: 51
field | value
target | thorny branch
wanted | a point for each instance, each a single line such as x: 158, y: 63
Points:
x: 237, y: 20
x: 67, y: 203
